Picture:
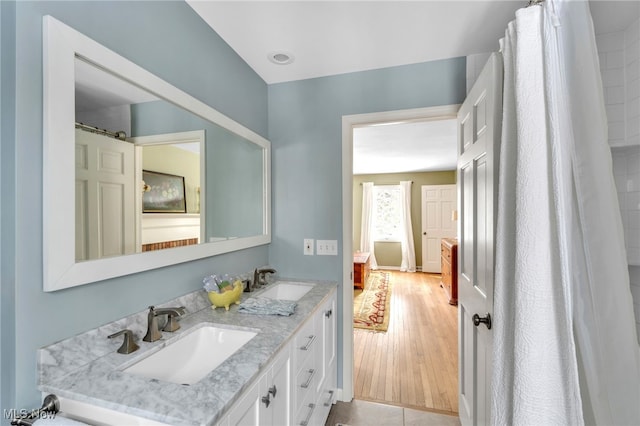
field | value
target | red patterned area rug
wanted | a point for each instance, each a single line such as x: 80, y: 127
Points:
x: 371, y: 305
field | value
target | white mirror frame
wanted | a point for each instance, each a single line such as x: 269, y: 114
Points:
x: 61, y: 45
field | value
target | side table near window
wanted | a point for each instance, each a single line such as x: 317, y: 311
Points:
x: 449, y: 263
x: 360, y: 269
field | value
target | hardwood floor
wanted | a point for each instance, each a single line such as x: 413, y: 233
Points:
x: 415, y: 363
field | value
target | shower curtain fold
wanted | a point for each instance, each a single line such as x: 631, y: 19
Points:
x: 565, y: 343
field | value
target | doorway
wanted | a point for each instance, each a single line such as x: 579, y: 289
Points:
x: 348, y: 124
x: 439, y: 215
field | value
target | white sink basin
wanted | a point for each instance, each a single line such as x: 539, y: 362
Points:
x: 287, y: 291
x: 189, y: 359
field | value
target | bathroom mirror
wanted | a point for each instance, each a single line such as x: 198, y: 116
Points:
x: 229, y: 208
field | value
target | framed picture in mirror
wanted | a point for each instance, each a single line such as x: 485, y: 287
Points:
x: 163, y: 193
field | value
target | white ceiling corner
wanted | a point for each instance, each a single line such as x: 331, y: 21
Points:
x: 335, y: 37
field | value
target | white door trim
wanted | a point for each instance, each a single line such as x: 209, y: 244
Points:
x: 349, y: 122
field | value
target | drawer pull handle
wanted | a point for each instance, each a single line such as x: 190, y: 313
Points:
x: 306, y: 347
x: 266, y: 400
x: 312, y: 373
x: 305, y: 422
x: 330, y: 400
x: 328, y: 313
x: 273, y: 390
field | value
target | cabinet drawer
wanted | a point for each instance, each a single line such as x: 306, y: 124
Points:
x: 307, y: 376
x: 449, y: 250
x: 304, y: 385
x: 446, y: 273
x: 306, y: 342
x: 305, y: 415
x: 445, y: 253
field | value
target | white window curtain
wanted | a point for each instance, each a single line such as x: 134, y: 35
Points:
x: 564, y: 337
x: 406, y: 229
x: 367, y: 224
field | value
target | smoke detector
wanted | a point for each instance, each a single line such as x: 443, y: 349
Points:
x: 280, y: 58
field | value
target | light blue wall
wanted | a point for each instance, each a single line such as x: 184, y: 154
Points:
x: 305, y: 130
x: 168, y: 39
x: 7, y: 194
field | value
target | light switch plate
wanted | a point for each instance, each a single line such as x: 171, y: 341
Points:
x: 327, y: 247
x: 308, y: 247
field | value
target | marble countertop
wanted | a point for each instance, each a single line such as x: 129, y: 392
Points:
x: 102, y: 383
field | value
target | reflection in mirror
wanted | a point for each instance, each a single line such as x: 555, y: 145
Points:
x: 172, y: 166
x: 169, y: 144
x: 86, y: 82
x: 234, y: 168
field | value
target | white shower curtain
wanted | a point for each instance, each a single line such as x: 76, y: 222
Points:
x: 565, y: 344
x: 367, y: 224
x: 408, y: 263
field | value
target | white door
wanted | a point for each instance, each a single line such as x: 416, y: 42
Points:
x: 105, y: 207
x: 438, y: 204
x: 479, y: 123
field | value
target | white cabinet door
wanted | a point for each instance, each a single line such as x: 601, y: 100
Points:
x: 479, y: 122
x: 326, y: 390
x: 268, y: 400
x: 330, y: 329
x: 327, y: 317
x: 246, y: 412
x: 278, y: 391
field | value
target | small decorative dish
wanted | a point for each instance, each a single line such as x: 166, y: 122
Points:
x: 227, y: 298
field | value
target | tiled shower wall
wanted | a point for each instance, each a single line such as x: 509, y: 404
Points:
x: 619, y: 54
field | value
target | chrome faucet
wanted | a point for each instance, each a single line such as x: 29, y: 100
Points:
x: 153, y: 331
x: 258, y: 276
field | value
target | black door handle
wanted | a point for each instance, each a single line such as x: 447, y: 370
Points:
x: 477, y: 320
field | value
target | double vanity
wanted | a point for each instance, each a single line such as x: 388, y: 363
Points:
x: 219, y: 368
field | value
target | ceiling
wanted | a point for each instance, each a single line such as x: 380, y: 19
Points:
x: 405, y: 147
x: 96, y: 89
x: 335, y: 37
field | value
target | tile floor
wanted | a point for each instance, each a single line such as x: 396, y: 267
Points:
x: 364, y: 413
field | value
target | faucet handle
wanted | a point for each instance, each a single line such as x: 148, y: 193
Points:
x: 153, y: 333
x: 172, y: 318
x: 128, y: 345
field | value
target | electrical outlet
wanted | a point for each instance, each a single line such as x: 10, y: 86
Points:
x: 308, y: 247
x: 327, y: 247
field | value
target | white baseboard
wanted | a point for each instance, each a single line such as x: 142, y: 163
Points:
x: 397, y: 268
x: 389, y: 268
x: 340, y: 396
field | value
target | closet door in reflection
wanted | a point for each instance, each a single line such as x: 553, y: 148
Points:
x: 105, y: 201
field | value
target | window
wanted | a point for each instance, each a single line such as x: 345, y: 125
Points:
x: 387, y: 217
